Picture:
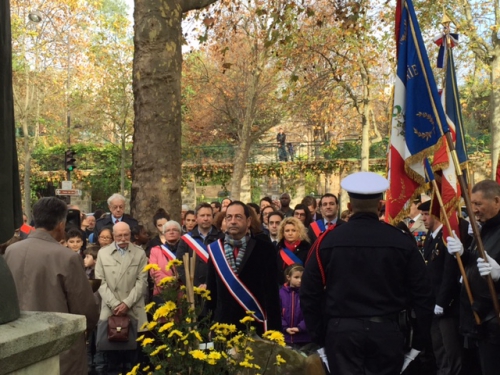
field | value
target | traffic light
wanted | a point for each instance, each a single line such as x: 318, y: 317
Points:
x: 69, y: 161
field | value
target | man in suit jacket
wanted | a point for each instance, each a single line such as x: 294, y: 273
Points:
x: 254, y: 262
x: 444, y: 275
x: 329, y: 207
x: 51, y: 277
x: 123, y: 286
x: 116, y: 205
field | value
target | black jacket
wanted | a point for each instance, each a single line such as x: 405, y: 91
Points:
x: 483, y: 305
x: 371, y: 269
x: 200, y: 272
x: 258, y: 273
x: 443, y: 272
x: 108, y: 222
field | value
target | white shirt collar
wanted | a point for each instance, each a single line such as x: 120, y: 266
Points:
x: 416, y: 217
x: 436, y: 232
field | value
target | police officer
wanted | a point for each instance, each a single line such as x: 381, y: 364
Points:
x: 365, y: 271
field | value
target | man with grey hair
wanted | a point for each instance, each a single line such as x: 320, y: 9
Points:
x: 116, y: 205
x: 123, y: 287
x: 50, y: 277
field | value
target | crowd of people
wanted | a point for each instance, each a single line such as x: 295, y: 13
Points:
x: 370, y: 297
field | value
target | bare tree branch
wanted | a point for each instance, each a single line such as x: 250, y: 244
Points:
x: 188, y: 5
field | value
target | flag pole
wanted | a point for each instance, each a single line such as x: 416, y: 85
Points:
x: 435, y: 190
x: 468, y: 203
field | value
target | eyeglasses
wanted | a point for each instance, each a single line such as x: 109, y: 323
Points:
x: 127, y: 235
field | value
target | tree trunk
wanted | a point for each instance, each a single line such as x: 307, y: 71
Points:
x: 365, y: 140
x: 156, y: 160
x: 240, y: 159
x: 27, y: 174
x: 495, y: 107
x: 122, y: 166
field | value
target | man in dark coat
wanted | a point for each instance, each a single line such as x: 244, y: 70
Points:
x: 445, y: 275
x: 486, y: 206
x: 116, y: 205
x: 253, y: 262
x: 51, y: 277
x: 358, y: 281
x: 329, y: 207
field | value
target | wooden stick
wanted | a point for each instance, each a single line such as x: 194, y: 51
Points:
x: 459, y: 259
x: 192, y: 267
x: 189, y: 285
x: 475, y: 227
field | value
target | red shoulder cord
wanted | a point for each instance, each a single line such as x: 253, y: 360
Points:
x: 315, y: 249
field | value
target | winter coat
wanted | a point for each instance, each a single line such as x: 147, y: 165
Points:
x: 291, y: 316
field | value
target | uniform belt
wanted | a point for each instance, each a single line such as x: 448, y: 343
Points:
x: 382, y: 319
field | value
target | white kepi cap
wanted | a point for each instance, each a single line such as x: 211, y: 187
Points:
x: 365, y: 185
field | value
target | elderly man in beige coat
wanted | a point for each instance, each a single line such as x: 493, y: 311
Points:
x: 51, y: 277
x: 123, y: 287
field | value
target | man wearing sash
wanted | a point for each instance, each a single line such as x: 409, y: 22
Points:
x: 203, y: 233
x: 357, y: 282
x: 329, y: 207
x: 242, y: 275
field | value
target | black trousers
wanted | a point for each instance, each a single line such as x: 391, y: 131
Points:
x: 361, y: 347
x: 447, y: 344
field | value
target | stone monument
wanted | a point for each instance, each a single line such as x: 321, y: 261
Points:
x: 9, y: 308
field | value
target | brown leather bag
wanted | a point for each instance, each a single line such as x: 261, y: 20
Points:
x: 118, y: 328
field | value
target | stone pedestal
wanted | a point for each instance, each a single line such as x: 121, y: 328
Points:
x: 31, y: 344
x: 189, y: 193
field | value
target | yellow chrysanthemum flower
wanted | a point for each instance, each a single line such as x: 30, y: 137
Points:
x: 166, y: 326
x: 134, y: 370
x: 166, y: 280
x: 151, y: 325
x: 150, y: 266
x: 140, y: 338
x: 145, y: 368
x: 247, y: 319
x: 250, y: 313
x: 165, y: 310
x: 197, y: 335
x: 198, y: 354
x: 175, y: 332
x: 188, y: 320
x: 172, y: 263
x: 279, y: 360
x: 147, y: 341
x: 158, y: 367
x: 275, y: 336
x: 149, y: 306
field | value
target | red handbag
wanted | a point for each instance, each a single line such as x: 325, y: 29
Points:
x: 118, y: 328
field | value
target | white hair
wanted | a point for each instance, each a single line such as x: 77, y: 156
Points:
x: 116, y: 196
x: 171, y: 223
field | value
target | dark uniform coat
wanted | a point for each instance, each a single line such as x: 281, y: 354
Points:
x: 107, y: 221
x: 371, y: 268
x: 51, y: 277
x: 258, y: 273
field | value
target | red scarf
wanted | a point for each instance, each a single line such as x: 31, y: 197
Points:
x: 292, y: 245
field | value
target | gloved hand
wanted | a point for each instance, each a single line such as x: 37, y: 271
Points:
x: 410, y: 356
x: 454, y: 245
x: 322, y: 355
x: 491, y: 268
x: 438, y: 310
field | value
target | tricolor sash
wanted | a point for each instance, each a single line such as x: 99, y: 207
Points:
x: 197, y: 246
x: 234, y: 285
x: 289, y: 257
x: 318, y: 227
x: 167, y: 252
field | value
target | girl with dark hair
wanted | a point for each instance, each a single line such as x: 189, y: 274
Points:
x: 159, y: 219
x: 302, y: 213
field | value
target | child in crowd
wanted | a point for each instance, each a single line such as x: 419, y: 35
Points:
x: 74, y: 240
x: 292, y: 320
x: 90, y: 260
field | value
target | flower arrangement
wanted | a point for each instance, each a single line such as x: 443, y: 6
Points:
x: 180, y: 341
